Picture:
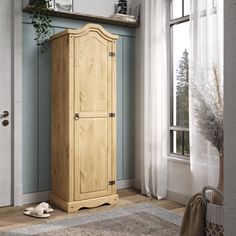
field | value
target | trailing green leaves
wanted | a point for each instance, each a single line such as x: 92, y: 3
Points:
x: 41, y: 21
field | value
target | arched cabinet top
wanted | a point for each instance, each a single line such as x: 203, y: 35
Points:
x: 84, y: 30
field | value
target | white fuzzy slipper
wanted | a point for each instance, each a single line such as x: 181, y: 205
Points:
x: 38, y: 212
x: 43, y: 205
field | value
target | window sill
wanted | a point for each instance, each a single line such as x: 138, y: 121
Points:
x: 178, y: 160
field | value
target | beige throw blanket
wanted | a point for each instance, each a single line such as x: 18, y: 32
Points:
x: 194, y: 217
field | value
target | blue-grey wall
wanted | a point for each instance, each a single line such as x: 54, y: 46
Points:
x: 37, y: 97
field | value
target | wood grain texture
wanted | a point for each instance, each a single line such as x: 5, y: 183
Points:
x: 92, y: 77
x: 88, y: 203
x: 83, y: 149
x: 87, y: 29
x: 12, y: 217
x: 92, y: 158
x: 62, y: 130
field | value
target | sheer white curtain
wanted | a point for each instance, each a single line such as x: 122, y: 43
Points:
x: 206, y: 54
x: 151, y: 98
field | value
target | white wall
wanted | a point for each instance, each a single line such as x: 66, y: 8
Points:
x: 180, y: 187
x: 94, y: 7
x: 230, y: 116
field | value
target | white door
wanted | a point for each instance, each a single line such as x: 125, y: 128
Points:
x: 5, y: 103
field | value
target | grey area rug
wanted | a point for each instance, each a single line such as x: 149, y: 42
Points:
x: 138, y: 220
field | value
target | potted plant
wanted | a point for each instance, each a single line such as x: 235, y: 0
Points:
x: 41, y: 21
x: 209, y: 114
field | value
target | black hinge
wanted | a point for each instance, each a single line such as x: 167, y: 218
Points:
x: 112, y: 114
x: 112, y: 54
x: 112, y: 182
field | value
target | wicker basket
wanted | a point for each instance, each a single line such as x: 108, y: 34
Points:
x: 214, y: 214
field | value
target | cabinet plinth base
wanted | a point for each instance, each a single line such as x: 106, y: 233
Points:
x: 89, y: 203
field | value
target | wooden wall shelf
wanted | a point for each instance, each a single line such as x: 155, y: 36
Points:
x: 87, y: 17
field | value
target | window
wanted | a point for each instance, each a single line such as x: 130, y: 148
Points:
x: 179, y: 78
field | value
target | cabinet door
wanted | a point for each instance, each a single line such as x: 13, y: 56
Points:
x: 94, y: 80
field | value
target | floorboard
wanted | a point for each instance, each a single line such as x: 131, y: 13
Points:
x: 12, y: 217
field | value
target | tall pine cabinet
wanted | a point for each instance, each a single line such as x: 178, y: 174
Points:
x: 83, y: 169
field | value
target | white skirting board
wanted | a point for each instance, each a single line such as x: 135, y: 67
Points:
x: 122, y: 184
x: 178, y: 197
x: 44, y: 196
x: 35, y: 197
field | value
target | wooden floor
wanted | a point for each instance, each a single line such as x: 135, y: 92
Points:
x: 11, y: 217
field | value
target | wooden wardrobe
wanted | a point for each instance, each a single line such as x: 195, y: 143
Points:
x: 83, y: 167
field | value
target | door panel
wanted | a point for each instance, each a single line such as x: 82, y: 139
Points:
x: 93, y: 161
x: 93, y: 68
x: 5, y: 103
x: 93, y: 100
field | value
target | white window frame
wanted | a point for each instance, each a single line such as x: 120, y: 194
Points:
x: 173, y: 22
